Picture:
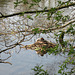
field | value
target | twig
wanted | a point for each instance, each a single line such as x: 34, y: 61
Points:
x: 14, y: 45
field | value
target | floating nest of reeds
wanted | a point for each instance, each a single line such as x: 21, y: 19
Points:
x: 40, y: 46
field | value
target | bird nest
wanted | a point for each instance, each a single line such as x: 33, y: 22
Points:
x: 40, y: 46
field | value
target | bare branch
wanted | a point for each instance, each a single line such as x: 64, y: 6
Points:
x: 14, y: 45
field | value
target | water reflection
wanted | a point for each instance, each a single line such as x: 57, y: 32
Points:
x: 4, y: 9
x: 3, y: 3
x: 3, y: 60
x: 23, y: 60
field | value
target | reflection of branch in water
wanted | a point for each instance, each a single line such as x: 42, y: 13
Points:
x: 3, y: 60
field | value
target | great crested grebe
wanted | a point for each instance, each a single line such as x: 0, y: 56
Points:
x: 39, y: 45
x: 42, y: 40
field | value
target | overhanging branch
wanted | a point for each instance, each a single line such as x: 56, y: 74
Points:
x: 19, y: 43
x: 16, y: 44
x: 31, y: 12
x: 47, y: 29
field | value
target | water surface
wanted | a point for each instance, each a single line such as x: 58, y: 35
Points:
x: 25, y: 60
